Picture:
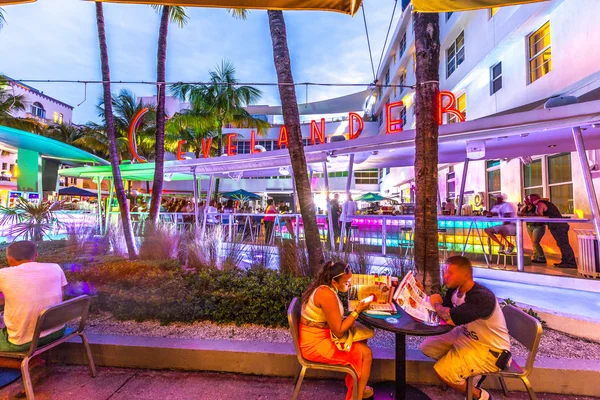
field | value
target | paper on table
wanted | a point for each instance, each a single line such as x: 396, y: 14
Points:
x: 416, y: 303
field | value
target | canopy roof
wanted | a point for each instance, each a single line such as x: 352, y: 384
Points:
x: 14, y: 139
x: 371, y: 197
x: 463, y: 5
x: 240, y: 194
x: 75, y: 191
x: 506, y: 136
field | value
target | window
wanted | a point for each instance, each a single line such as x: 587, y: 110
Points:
x: 403, y: 116
x: 448, y: 15
x: 551, y: 177
x: 451, y: 183
x: 57, y: 117
x: 560, y: 182
x: 367, y: 177
x: 387, y: 77
x: 496, y: 78
x: 4, y: 166
x: 533, y: 181
x: 494, y: 185
x: 395, y: 90
x: 402, y: 46
x: 493, y: 11
x: 402, y: 81
x: 380, y: 117
x: 461, y: 105
x: 540, y: 54
x: 455, y: 55
x: 37, y: 110
x: 11, y: 168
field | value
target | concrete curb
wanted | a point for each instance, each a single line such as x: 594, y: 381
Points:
x: 564, y: 376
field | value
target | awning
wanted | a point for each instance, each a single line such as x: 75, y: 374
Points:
x: 75, y: 191
x: 15, y: 139
x: 464, y: 5
x: 343, y: 6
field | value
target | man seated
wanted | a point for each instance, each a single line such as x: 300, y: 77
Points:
x: 29, y: 287
x: 480, y: 337
x: 502, y: 209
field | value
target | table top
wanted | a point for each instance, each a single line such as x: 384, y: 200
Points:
x: 406, y: 325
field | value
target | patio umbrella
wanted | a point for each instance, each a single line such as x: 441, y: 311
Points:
x: 371, y: 197
x: 241, y: 195
x: 75, y: 191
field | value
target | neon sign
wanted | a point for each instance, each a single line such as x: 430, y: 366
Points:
x: 392, y: 125
x: 316, y: 132
x: 179, y: 150
x: 448, y: 108
x: 353, y: 134
x: 134, y: 125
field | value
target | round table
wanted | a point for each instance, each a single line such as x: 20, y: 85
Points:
x: 405, y: 325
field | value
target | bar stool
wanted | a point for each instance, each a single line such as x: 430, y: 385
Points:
x: 410, y: 246
x: 444, y: 247
x: 512, y: 255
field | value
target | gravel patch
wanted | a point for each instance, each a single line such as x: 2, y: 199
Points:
x: 554, y: 344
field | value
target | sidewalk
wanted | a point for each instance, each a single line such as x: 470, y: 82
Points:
x: 74, y: 382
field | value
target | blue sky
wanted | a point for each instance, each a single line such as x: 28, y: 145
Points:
x: 57, y: 39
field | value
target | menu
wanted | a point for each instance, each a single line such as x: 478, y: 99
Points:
x: 379, y: 286
x: 415, y: 302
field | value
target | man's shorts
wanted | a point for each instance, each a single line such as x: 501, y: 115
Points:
x: 6, y: 345
x: 505, y: 229
x: 458, y: 357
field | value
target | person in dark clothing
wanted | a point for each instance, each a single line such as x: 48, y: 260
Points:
x: 560, y: 231
x: 536, y: 231
x: 336, y: 210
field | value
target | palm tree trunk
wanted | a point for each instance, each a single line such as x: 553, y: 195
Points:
x: 112, y: 142
x: 159, y: 148
x: 427, y: 42
x: 291, y: 117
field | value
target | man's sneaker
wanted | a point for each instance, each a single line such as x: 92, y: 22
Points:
x: 501, y: 250
x: 534, y: 261
x: 510, y: 249
x: 485, y: 395
x: 571, y: 266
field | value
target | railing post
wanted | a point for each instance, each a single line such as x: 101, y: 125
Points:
x: 229, y: 222
x: 520, y: 257
x: 297, y: 228
x: 383, y: 236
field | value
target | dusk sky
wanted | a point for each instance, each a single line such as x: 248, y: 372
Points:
x: 57, y: 39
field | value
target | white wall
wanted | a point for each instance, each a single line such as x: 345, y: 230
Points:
x: 50, y: 105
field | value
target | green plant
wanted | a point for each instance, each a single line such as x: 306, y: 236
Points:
x: 161, y: 242
x: 362, y: 261
x: 293, y: 258
x: 33, y: 221
x: 509, y: 302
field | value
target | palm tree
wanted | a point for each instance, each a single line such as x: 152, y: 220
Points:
x: 177, y: 15
x: 2, y: 19
x: 223, y: 99
x: 427, y: 43
x: 291, y: 117
x: 10, y: 104
x: 192, y: 128
x: 110, y: 133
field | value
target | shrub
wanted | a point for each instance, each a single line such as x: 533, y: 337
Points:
x: 161, y: 242
x: 293, y: 259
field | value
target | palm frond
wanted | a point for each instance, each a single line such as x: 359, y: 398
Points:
x: 238, y: 13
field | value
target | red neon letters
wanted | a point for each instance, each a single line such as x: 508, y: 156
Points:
x: 134, y: 124
x: 253, y: 143
x: 283, y: 137
x: 231, y: 149
x: 353, y: 134
x: 315, y: 131
x: 449, y: 108
x: 392, y: 125
x: 179, y: 150
x: 206, y: 145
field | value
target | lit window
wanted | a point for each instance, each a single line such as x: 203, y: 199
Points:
x: 455, y: 55
x: 461, y: 105
x: 415, y: 62
x: 37, y: 110
x: 394, y: 58
x: 494, y: 182
x: 540, y: 54
x: 533, y: 182
x: 402, y: 46
x: 367, y: 177
x: 493, y: 11
x: 496, y: 78
x: 560, y: 182
x: 57, y: 117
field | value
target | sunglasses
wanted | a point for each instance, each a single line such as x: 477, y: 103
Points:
x: 346, y: 271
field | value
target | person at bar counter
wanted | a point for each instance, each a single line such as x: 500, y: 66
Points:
x: 536, y: 231
x: 29, y: 287
x: 335, y: 216
x: 322, y: 314
x: 560, y: 231
x: 480, y: 342
x: 502, y: 209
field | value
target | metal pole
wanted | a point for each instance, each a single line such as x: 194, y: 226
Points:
x: 345, y: 207
x: 463, y: 182
x: 109, y: 205
x: 294, y: 193
x: 329, y: 216
x: 520, y: 257
x: 383, y: 236
x: 587, y: 178
x: 208, y: 194
x: 99, y: 217
x: 196, y: 215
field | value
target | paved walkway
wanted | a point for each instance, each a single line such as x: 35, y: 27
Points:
x: 74, y: 382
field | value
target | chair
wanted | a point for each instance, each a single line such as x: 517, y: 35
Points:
x: 294, y: 322
x: 512, y: 255
x: 53, y: 317
x: 526, y: 330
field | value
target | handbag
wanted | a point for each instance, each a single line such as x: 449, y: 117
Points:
x: 357, y: 333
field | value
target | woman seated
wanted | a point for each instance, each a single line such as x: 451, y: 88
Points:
x: 322, y: 314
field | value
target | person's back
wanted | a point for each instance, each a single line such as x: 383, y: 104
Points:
x: 29, y: 287
x: 551, y: 210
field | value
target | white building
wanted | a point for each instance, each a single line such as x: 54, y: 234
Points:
x: 497, y: 61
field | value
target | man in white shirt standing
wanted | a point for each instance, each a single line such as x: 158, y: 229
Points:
x: 502, y: 209
x: 29, y: 287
